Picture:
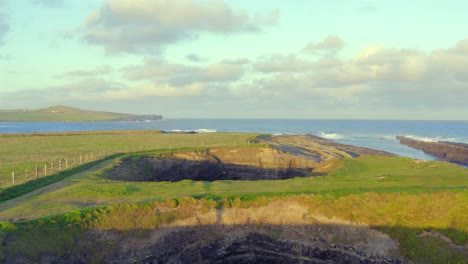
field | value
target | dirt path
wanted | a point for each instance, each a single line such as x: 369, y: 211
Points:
x: 50, y: 188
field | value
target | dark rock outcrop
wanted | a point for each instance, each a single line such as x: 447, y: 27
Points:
x: 208, y: 169
x: 320, y: 149
x: 253, y: 248
x: 446, y: 151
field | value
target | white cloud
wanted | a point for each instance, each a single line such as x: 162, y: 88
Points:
x: 375, y: 80
x: 195, y: 58
x: 153, y: 91
x: 180, y: 74
x: 101, y: 70
x: 331, y: 43
x: 148, y: 25
x: 83, y: 90
x: 238, y: 61
x: 281, y: 63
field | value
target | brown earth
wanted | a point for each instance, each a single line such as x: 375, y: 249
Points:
x: 240, y: 235
x: 288, y: 157
x: 216, y: 164
x: 283, y: 231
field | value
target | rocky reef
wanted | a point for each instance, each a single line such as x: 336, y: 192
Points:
x: 443, y: 150
x: 320, y: 149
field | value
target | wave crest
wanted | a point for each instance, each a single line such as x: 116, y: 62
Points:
x: 331, y: 135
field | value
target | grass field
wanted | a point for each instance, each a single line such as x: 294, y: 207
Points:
x: 21, y: 152
x: 399, y: 196
x: 366, y: 174
x: 59, y: 114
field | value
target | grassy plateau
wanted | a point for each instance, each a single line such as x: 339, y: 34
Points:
x: 66, y: 114
x: 423, y: 205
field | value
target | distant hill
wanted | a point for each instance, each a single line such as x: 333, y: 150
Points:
x: 68, y: 114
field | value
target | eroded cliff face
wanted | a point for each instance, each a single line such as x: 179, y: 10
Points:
x: 447, y: 151
x: 215, y: 164
x: 253, y: 247
x: 278, y: 232
x: 288, y: 157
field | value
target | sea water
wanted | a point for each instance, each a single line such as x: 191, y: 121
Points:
x: 375, y: 134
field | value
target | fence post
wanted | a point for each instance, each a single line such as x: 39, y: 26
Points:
x: 25, y: 174
x: 13, y: 177
x: 45, y: 169
x: 66, y: 163
x: 37, y: 174
x: 60, y: 165
x: 81, y: 159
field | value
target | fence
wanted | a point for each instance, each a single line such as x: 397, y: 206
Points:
x: 42, y: 169
x: 48, y: 168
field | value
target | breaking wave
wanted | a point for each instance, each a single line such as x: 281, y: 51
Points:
x: 330, y: 135
x: 200, y: 130
x: 432, y: 139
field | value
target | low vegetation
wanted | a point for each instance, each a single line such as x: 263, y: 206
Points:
x: 67, y: 114
x: 420, y: 204
x: 23, y: 152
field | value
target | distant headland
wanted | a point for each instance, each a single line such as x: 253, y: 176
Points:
x: 68, y: 114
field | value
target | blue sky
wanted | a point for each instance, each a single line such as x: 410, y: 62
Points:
x: 238, y: 59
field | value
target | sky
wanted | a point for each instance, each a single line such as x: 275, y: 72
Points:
x: 298, y: 59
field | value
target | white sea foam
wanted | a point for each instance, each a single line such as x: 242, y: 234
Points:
x: 424, y: 139
x: 205, y: 130
x: 330, y: 135
x: 200, y: 130
x: 386, y: 137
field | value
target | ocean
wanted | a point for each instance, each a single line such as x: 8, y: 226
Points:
x: 375, y: 134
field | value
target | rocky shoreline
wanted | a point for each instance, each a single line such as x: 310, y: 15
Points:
x: 443, y: 150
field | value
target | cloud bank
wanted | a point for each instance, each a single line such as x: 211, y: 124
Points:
x: 146, y: 26
x: 375, y: 82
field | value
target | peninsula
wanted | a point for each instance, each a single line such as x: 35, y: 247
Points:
x: 68, y: 114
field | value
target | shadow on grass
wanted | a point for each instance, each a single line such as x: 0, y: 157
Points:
x: 18, y: 190
x: 253, y: 229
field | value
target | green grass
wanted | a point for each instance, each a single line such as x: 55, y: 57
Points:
x: 18, y: 190
x: 59, y: 114
x: 21, y: 152
x: 360, y: 175
x: 403, y: 216
x: 399, y: 196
